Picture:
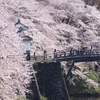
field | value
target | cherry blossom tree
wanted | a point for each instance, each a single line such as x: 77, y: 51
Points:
x: 14, y: 69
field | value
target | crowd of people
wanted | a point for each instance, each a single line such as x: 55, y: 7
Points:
x: 82, y: 51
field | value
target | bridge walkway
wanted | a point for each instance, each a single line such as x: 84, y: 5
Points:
x: 67, y: 56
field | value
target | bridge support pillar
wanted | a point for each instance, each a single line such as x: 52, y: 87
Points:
x: 69, y: 71
x: 51, y: 82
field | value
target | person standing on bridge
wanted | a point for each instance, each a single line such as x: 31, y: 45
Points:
x: 45, y: 54
x: 35, y: 53
x: 55, y: 53
x: 79, y: 51
x: 71, y: 51
x: 91, y: 50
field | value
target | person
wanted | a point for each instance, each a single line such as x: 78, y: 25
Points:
x: 55, y: 53
x: 45, y: 54
x: 34, y: 53
x: 91, y: 50
x: 71, y: 51
x: 28, y: 55
x: 79, y: 51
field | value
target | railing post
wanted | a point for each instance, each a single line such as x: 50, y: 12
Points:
x: 64, y: 54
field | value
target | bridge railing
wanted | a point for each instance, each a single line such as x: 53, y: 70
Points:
x: 60, y: 54
x: 56, y: 54
x: 74, y: 53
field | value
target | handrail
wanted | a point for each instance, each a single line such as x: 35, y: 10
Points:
x: 74, y: 53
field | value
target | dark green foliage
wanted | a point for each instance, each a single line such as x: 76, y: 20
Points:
x: 21, y: 98
x: 93, y: 75
x: 81, y: 86
x: 78, y: 88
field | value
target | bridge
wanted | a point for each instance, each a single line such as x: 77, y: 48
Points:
x: 76, y: 56
x: 50, y: 79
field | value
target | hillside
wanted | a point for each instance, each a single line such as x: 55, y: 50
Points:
x: 56, y: 24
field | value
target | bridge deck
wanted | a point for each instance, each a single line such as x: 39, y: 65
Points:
x: 66, y: 56
x: 79, y: 58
